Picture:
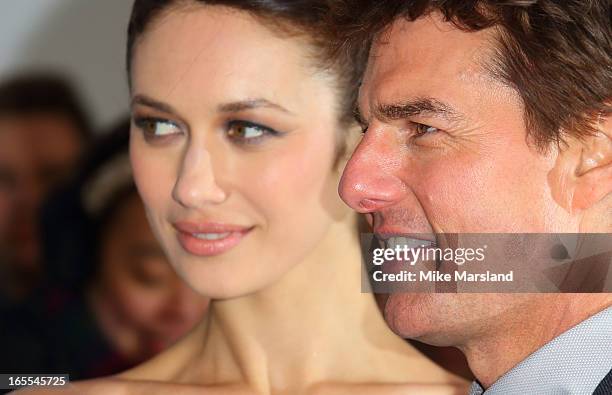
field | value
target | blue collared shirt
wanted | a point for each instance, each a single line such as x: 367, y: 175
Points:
x: 573, y: 363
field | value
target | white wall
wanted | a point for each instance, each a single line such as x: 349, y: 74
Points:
x: 84, y: 39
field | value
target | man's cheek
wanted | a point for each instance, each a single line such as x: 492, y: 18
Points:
x: 450, y: 201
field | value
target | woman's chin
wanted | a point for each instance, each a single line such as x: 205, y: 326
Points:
x: 223, y: 287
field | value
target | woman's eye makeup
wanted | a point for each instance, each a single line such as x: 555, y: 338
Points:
x: 156, y: 128
x: 240, y: 132
x: 246, y: 132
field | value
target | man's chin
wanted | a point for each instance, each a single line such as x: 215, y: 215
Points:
x: 405, y: 313
x: 419, y: 316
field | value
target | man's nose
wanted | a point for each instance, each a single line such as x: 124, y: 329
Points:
x: 197, y: 183
x: 369, y: 182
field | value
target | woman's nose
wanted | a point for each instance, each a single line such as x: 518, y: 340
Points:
x: 197, y: 183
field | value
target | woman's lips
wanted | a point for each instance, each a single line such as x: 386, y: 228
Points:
x: 209, y: 239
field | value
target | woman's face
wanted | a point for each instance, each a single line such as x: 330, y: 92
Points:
x: 233, y: 144
x: 140, y: 285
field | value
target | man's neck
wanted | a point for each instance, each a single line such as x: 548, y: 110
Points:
x: 492, y: 355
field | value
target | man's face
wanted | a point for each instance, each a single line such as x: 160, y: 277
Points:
x: 445, y: 151
x: 37, y: 153
x: 15, y: 164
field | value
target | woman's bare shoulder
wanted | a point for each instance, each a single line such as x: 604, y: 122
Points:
x: 460, y: 388
x: 85, y: 387
x: 165, y: 366
x: 119, y: 386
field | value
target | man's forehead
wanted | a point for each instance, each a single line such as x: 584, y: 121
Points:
x: 427, y: 54
x: 433, y: 38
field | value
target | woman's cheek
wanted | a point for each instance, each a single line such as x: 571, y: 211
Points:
x: 292, y: 179
x: 273, y: 187
x: 154, y: 176
x: 140, y: 170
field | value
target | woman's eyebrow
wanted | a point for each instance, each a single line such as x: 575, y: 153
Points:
x: 146, y: 101
x: 235, y: 106
x: 250, y: 104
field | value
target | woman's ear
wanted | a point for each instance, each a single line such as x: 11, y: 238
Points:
x: 582, y: 176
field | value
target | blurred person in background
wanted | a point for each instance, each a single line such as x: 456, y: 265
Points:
x: 113, y: 298
x: 13, y: 163
x: 43, y: 130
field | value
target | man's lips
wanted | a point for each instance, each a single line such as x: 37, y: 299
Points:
x: 209, y: 238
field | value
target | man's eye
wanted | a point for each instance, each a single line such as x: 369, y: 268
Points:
x: 422, y: 129
x: 248, y: 132
x: 154, y: 127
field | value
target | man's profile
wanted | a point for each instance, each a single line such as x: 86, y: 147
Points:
x: 491, y: 117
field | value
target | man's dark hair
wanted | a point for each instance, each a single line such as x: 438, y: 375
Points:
x: 557, y: 54
x: 306, y: 18
x: 43, y: 93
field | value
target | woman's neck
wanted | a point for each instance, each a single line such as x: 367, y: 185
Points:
x: 314, y: 325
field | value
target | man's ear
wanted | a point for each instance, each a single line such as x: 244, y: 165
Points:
x: 582, y: 176
x: 594, y: 173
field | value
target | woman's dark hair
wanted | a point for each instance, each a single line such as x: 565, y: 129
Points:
x: 308, y: 18
x: 557, y: 54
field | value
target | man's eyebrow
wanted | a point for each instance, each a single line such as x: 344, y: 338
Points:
x: 419, y: 106
x: 250, y: 104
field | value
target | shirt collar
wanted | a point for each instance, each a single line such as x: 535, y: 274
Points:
x: 572, y: 363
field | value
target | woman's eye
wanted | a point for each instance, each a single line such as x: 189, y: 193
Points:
x: 153, y: 127
x: 422, y: 129
x: 248, y: 132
